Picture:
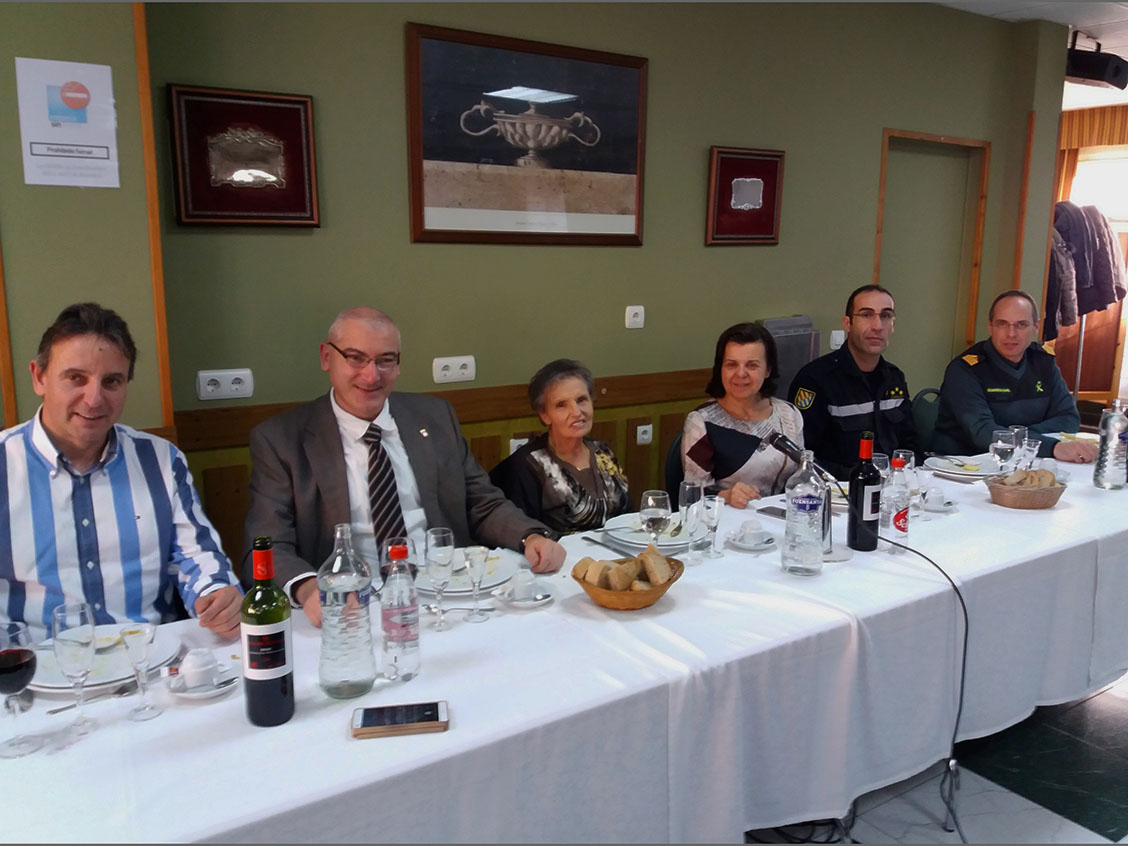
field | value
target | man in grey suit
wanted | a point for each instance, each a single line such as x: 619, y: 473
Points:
x: 311, y: 467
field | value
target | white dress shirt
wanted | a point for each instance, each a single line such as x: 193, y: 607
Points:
x: 352, y: 429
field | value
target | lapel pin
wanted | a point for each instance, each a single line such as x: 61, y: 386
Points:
x: 423, y: 432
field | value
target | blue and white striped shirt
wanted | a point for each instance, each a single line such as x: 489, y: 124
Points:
x: 123, y: 536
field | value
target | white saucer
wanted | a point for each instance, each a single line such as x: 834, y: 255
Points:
x: 948, y: 507
x: 227, y: 682
x: 763, y: 546
x: 501, y: 594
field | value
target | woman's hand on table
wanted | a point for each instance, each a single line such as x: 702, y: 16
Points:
x: 740, y: 494
x: 545, y: 554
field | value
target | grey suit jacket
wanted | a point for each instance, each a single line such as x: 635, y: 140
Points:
x: 299, y: 492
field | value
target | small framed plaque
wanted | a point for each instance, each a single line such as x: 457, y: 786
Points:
x: 243, y: 157
x: 745, y: 196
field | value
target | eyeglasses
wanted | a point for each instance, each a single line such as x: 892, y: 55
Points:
x: 886, y: 316
x: 358, y: 360
x: 1006, y: 325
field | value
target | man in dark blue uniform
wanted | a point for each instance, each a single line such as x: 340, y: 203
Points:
x: 854, y: 389
x: 1008, y: 380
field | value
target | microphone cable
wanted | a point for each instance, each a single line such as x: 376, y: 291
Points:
x: 949, y: 781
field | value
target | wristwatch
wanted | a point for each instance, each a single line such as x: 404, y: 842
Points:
x: 537, y: 531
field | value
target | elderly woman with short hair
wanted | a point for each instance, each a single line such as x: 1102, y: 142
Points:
x: 562, y: 477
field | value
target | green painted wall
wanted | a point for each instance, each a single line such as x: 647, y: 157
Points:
x: 61, y: 244
x: 818, y: 81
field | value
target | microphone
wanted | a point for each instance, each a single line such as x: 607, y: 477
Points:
x: 784, y: 444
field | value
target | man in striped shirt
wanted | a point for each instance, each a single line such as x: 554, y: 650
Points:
x: 92, y: 511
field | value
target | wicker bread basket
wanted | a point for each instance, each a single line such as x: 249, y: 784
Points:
x: 1016, y: 496
x: 631, y: 600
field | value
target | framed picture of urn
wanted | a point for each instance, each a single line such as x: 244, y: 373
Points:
x: 523, y: 142
x: 243, y: 157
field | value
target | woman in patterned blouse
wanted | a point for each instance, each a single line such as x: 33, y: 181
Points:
x: 563, y: 478
x: 724, y: 444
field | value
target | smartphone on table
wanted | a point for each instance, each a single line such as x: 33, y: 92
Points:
x: 772, y: 511
x: 413, y: 718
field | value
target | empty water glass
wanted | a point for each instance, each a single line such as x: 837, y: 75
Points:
x: 711, y: 515
x: 476, y: 570
x: 440, y: 565
x: 138, y: 640
x: 1030, y: 448
x: 73, y: 629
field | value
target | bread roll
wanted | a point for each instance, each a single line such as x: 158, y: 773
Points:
x: 579, y: 569
x: 641, y: 584
x: 1045, y: 478
x: 622, y: 575
x: 597, y: 574
x: 1015, y: 478
x: 658, y: 570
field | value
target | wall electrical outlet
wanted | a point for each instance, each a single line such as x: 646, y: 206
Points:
x: 454, y: 368
x: 224, y: 384
x: 644, y: 434
x: 636, y: 317
x: 837, y: 338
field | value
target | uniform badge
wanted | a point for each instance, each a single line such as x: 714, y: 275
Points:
x: 1038, y: 386
x: 804, y: 398
x: 424, y: 432
x: 971, y: 359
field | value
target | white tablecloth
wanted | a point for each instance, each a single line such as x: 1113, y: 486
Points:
x: 745, y: 698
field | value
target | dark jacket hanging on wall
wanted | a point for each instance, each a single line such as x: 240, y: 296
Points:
x: 1107, y: 267
x: 1061, y: 288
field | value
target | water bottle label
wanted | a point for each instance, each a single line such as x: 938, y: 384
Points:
x: 871, y: 502
x: 401, y: 624
x: 807, y: 504
x: 364, y: 595
x: 901, y: 521
x: 267, y: 650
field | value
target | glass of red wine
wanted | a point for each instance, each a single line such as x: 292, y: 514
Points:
x: 17, y: 666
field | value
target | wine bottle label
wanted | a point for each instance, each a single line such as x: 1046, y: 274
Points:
x: 267, y: 651
x: 400, y: 623
x: 871, y: 502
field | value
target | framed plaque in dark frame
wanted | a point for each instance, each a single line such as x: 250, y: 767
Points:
x: 523, y: 142
x: 745, y: 196
x: 243, y: 157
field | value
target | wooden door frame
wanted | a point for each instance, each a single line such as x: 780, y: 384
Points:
x: 980, y: 208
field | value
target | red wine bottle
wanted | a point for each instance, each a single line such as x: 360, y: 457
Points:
x: 865, y: 499
x: 17, y: 666
x: 268, y: 651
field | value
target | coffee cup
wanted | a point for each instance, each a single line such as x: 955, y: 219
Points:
x: 932, y: 499
x: 199, y: 668
x: 521, y: 585
x: 752, y: 533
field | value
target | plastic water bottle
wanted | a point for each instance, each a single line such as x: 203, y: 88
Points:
x: 1111, y: 468
x: 399, y: 614
x: 898, y: 496
x: 347, y: 667
x: 801, y: 553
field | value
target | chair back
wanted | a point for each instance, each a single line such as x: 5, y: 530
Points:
x: 674, y: 470
x: 926, y: 406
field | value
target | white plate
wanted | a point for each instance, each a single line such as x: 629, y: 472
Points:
x: 500, y: 567
x: 627, y: 530
x: 226, y: 674
x: 735, y: 540
x: 501, y: 594
x: 111, y: 666
x: 987, y: 466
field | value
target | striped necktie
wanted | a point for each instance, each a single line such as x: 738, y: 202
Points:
x: 387, y: 517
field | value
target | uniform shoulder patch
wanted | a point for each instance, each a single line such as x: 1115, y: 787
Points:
x: 972, y: 360
x: 1048, y: 347
x: 804, y: 398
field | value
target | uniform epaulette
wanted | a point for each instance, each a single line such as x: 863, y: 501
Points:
x: 971, y: 359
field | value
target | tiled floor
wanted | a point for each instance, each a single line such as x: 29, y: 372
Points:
x: 1060, y: 776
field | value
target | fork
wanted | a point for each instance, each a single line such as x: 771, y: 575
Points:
x: 123, y: 689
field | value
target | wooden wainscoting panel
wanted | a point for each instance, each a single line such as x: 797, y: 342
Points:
x: 606, y: 431
x: 166, y: 432
x: 486, y: 451
x: 216, y: 428
x: 227, y: 497
x: 638, y: 462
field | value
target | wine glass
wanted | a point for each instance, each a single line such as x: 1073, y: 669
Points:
x: 138, y: 640
x: 73, y: 629
x: 654, y: 512
x: 1002, y: 448
x: 17, y: 667
x: 711, y: 516
x: 910, y: 477
x: 476, y: 570
x: 1030, y: 447
x: 689, y: 509
x: 440, y: 559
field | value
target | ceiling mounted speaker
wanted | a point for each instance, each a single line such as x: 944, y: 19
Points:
x: 1096, y: 68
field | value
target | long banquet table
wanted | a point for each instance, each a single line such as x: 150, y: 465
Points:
x: 745, y: 698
